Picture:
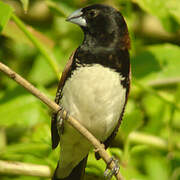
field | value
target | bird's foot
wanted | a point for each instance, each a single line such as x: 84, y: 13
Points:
x: 109, y: 173
x: 60, y: 120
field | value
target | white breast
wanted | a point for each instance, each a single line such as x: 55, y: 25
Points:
x: 94, y: 95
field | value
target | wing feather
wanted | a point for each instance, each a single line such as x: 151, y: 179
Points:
x: 55, y: 136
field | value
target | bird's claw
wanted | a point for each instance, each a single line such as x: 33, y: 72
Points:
x: 60, y: 120
x: 109, y: 173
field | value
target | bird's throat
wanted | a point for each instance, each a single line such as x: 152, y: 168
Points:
x: 103, y: 39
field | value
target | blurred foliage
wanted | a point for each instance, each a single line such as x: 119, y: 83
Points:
x: 153, y: 109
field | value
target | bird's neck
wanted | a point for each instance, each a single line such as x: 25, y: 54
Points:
x: 100, y: 39
x: 106, y: 40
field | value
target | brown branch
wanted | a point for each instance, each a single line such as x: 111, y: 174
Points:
x: 18, y: 168
x: 97, y: 145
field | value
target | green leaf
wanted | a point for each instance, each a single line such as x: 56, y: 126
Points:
x: 176, y: 122
x: 156, y: 111
x: 157, y: 167
x: 116, y: 152
x: 41, y: 134
x: 131, y: 121
x: 162, y: 10
x: 56, y: 9
x: 25, y: 148
x: 41, y: 72
x: 139, y: 149
x: 174, y: 9
x: 19, y: 107
x: 25, y: 4
x: 94, y: 167
x: 22, y: 178
x: 157, y: 62
x: 5, y: 14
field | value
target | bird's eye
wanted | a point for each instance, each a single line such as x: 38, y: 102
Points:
x: 92, y: 14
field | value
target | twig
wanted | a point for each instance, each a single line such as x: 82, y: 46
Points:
x: 142, y: 138
x: 154, y: 141
x: 164, y: 82
x: 97, y: 145
x: 18, y: 168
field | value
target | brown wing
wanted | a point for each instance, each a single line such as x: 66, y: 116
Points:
x: 55, y: 137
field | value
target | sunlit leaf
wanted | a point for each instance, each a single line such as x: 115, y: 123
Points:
x: 157, y: 62
x: 162, y: 9
x: 174, y: 9
x: 25, y: 4
x: 41, y: 72
x: 131, y: 121
x: 56, y: 9
x: 5, y: 14
x: 94, y: 167
x: 157, y: 168
x: 20, y: 107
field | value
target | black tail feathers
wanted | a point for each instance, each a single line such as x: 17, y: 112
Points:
x: 76, y: 174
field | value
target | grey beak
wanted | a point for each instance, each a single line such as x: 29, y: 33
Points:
x: 76, y: 18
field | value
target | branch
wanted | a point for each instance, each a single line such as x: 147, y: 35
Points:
x: 164, y: 82
x: 51, y: 104
x: 147, y: 139
x: 27, y: 169
x: 142, y: 138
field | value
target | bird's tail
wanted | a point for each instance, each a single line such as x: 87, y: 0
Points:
x: 76, y: 174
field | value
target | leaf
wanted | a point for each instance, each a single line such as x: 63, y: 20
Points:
x: 23, y: 178
x: 56, y: 9
x: 157, y: 62
x: 132, y: 172
x: 157, y: 167
x: 94, y: 167
x: 139, y: 149
x: 162, y: 10
x: 41, y: 134
x: 131, y: 121
x: 116, y: 152
x: 25, y: 4
x: 41, y: 72
x: 176, y: 122
x: 19, y: 107
x: 5, y: 14
x: 157, y: 113
x: 174, y: 9
x: 25, y: 148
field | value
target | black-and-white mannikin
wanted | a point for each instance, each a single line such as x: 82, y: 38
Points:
x: 93, y: 88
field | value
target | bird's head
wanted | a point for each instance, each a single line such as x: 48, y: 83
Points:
x: 102, y: 24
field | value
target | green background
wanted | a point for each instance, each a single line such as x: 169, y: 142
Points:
x: 37, y: 47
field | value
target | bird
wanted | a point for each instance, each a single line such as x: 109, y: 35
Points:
x: 93, y: 88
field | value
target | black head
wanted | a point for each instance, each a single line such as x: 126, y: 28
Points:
x: 102, y: 26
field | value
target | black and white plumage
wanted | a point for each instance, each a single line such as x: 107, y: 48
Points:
x: 93, y: 88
